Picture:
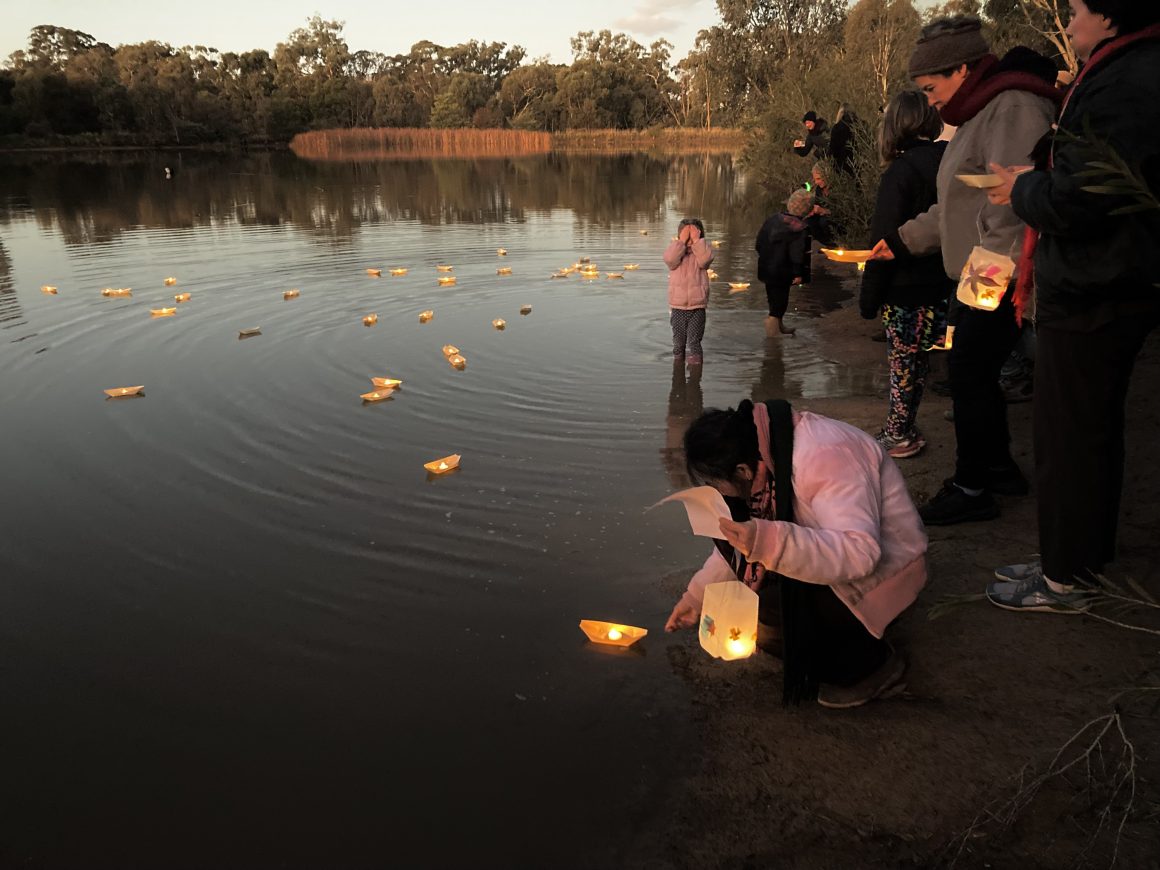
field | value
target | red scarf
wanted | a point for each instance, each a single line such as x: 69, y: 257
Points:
x: 980, y: 87
x: 1025, y: 285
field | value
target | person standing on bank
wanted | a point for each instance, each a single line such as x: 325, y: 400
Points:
x: 1097, y: 286
x: 911, y: 293
x: 1002, y: 108
x: 817, y: 140
x: 688, y: 258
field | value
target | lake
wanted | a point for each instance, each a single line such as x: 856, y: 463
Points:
x: 240, y: 625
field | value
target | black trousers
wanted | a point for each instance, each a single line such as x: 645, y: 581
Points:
x: 777, y: 295
x: 1081, y: 384
x: 983, y: 341
x: 848, y: 652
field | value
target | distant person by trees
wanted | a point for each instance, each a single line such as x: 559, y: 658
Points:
x: 817, y: 136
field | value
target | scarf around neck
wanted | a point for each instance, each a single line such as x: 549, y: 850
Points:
x: 985, y: 82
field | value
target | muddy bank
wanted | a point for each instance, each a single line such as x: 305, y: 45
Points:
x: 990, y: 692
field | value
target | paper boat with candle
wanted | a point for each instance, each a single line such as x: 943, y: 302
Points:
x: 441, y: 466
x: 612, y: 633
x: 162, y: 312
x: 444, y: 268
x: 49, y: 289
x: 125, y: 392
x: 984, y: 181
x: 457, y: 361
x: 612, y: 276
x: 250, y: 333
x: 182, y: 297
x: 117, y: 291
x: 501, y: 251
x: 370, y: 320
x: 450, y: 350
x: 375, y: 273
x: 644, y: 232
x: 504, y: 270
x: 424, y: 316
x: 716, y: 243
x: 738, y: 286
x: 386, y: 383
x: 169, y: 282
x: 841, y: 255
x: 563, y: 274
x: 377, y: 395
x: 525, y: 309
x: 499, y: 323
x: 631, y: 267
x: 397, y: 272
x: 290, y: 294
x: 712, y: 275
x: 446, y: 280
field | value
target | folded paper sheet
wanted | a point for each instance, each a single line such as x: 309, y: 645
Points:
x: 705, y: 508
x: 250, y: 333
x: 613, y: 633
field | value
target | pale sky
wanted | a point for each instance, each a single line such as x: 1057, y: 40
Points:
x: 543, y: 27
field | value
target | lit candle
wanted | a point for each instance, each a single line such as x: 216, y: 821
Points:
x: 739, y: 648
x: 614, y: 634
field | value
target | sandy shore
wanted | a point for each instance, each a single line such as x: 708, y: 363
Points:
x: 991, y: 694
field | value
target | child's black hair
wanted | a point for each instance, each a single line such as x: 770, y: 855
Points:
x: 718, y: 441
x: 695, y: 222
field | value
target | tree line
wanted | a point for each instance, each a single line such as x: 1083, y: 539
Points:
x: 758, y: 67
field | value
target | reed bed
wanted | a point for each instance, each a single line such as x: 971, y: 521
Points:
x: 386, y: 143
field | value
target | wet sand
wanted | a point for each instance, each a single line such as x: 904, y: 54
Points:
x: 894, y: 783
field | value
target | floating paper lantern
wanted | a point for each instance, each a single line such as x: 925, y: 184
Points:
x: 444, y: 268
x: 499, y: 323
x: 559, y: 275
x: 613, y: 633
x: 525, y: 309
x: 447, y: 280
x: 376, y: 395
x: 169, y: 282
x: 442, y: 466
x: 162, y: 312
x: 49, y: 289
x: 397, y: 272
x: 712, y: 275
x: 457, y: 361
x: 386, y: 383
x: 125, y: 392
x: 290, y: 294
x: 840, y: 255
x: 728, y: 627
x: 370, y: 320
x: 182, y: 297
x: 738, y: 286
x: 450, y: 350
x: 504, y: 270
x: 121, y: 291
x: 250, y: 333
x: 644, y: 232
x: 612, y: 276
x: 375, y: 273
x: 716, y: 243
x: 631, y: 267
x: 424, y: 316
x: 501, y: 251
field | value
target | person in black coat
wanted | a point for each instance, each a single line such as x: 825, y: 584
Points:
x: 1096, y: 277
x: 817, y: 140
x: 782, y: 257
x: 842, y: 142
x: 912, y: 294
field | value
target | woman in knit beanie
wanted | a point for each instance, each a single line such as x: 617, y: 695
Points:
x: 1000, y: 107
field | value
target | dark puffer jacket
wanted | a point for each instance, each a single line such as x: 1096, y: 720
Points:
x: 1092, y: 264
x: 907, y: 189
x: 782, y: 247
x: 818, y: 138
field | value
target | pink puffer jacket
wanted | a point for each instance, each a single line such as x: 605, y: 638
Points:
x: 688, y: 280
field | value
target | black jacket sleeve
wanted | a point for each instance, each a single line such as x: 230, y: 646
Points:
x: 896, y: 192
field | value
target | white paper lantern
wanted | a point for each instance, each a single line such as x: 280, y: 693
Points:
x: 728, y: 628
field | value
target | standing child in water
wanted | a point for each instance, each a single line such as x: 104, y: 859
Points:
x: 688, y: 259
x: 782, y: 248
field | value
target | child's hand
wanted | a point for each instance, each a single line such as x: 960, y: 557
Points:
x: 882, y: 251
x: 741, y: 535
x: 684, y: 615
x: 683, y: 235
x: 694, y: 233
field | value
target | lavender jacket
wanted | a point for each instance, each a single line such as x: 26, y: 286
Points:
x: 857, y: 530
x: 688, y: 280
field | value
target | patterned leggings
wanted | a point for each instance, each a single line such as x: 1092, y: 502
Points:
x: 688, y: 330
x: 909, y: 335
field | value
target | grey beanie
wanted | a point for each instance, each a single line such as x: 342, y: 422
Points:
x: 800, y: 202
x: 948, y: 43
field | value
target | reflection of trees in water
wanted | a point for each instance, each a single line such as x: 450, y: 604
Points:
x: 95, y: 198
x: 9, y: 305
x: 686, y: 403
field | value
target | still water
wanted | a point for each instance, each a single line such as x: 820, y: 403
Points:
x: 239, y: 624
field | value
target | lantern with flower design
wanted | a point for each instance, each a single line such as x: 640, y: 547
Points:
x: 728, y: 627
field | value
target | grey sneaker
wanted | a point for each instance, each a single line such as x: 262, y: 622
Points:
x: 886, y: 682
x: 1019, y: 572
x: 901, y: 448
x: 1033, y: 596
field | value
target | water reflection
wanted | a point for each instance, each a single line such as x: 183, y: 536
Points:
x: 9, y: 304
x: 685, y: 405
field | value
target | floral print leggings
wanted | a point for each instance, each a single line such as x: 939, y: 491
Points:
x: 910, y: 332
